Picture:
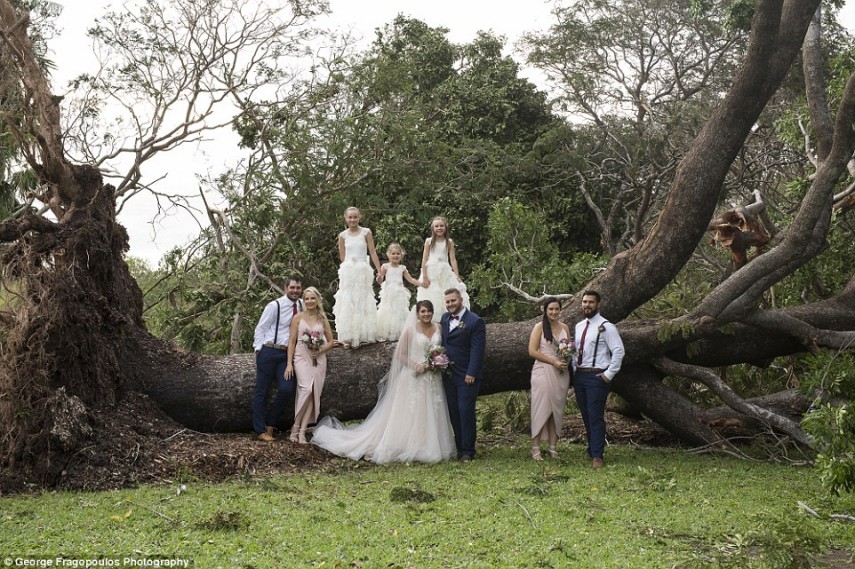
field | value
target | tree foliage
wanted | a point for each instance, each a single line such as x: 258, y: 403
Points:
x: 414, y: 127
x: 522, y: 255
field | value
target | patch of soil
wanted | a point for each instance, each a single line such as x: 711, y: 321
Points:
x: 620, y: 430
x: 838, y: 559
x: 138, y: 444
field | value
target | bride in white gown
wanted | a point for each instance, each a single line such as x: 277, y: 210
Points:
x: 410, y: 421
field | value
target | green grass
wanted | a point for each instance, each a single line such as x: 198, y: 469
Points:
x: 646, y: 509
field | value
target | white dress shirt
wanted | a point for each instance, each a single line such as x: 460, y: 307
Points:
x: 265, y: 330
x: 602, y: 349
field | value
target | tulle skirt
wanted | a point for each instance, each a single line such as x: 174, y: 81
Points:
x: 392, y: 311
x: 409, y: 424
x: 355, y: 309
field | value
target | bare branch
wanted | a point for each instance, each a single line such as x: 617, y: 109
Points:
x: 535, y: 299
x: 222, y: 220
x: 812, y: 337
x: 198, y: 60
x: 815, y: 89
x: 730, y: 397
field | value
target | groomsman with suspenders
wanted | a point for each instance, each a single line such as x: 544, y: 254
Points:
x: 598, y: 358
x: 271, y: 358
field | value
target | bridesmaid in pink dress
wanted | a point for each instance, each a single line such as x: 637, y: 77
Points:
x: 550, y: 378
x: 311, y: 339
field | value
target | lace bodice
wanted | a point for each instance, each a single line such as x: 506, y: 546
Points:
x: 355, y: 246
x: 424, y: 342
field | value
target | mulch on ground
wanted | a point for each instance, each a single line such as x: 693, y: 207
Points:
x: 138, y: 444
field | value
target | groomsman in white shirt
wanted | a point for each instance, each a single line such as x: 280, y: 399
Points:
x: 271, y: 358
x: 598, y: 358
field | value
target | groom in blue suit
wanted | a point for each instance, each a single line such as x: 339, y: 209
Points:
x: 464, y: 336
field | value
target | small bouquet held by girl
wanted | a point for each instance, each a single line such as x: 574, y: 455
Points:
x: 565, y: 349
x: 437, y: 358
x: 313, y: 339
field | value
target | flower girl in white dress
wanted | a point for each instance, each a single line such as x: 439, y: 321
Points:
x: 410, y: 421
x: 394, y: 304
x: 439, y: 268
x: 355, y: 309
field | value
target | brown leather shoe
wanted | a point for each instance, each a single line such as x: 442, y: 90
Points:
x: 266, y: 437
x: 597, y: 463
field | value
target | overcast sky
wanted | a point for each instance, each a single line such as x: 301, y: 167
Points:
x: 464, y: 18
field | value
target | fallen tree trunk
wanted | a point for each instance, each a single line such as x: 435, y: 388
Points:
x: 214, y: 394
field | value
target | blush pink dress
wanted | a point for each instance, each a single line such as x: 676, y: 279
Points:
x: 549, y: 388
x: 310, y: 377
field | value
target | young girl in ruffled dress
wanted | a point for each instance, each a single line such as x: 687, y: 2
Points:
x: 439, y: 268
x: 355, y: 309
x: 394, y: 307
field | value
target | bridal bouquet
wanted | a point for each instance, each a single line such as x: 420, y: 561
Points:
x: 437, y: 359
x: 565, y: 349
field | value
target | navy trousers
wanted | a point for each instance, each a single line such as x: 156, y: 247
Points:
x: 591, y: 394
x: 461, y: 398
x: 270, y: 365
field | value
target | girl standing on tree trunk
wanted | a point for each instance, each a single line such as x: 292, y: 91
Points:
x: 394, y: 306
x: 311, y: 338
x: 439, y: 268
x: 355, y: 309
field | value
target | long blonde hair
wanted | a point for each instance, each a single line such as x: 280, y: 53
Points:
x: 320, y: 298
x: 433, y: 235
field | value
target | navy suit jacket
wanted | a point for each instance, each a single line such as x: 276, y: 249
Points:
x: 465, y: 345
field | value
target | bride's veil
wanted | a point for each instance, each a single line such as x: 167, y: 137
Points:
x: 409, y: 352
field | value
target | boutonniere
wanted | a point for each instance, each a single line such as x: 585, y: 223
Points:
x: 601, y: 328
x: 461, y: 326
